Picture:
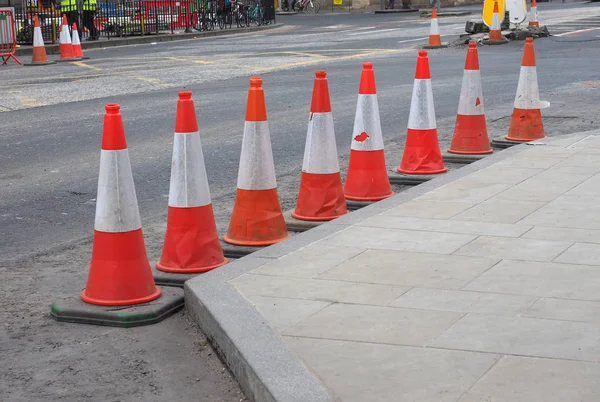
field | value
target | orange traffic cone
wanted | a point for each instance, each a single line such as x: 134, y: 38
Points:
x: 533, y: 15
x: 422, y: 153
x: 39, y: 56
x: 367, y: 178
x: 435, y: 41
x: 77, y: 51
x: 191, y: 241
x: 120, y: 273
x: 496, y: 37
x: 66, y: 46
x: 470, y: 131
x: 321, y: 197
x: 257, y: 219
x: 526, y: 123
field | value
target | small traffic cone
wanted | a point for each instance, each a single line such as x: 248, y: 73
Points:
x: 321, y: 196
x: 77, y: 51
x: 526, y: 123
x: 66, y: 46
x: 533, y: 15
x: 191, y: 241
x: 257, y: 219
x: 422, y: 153
x: 496, y: 37
x: 367, y: 178
x: 120, y: 273
x: 435, y: 41
x: 470, y: 132
x: 39, y: 56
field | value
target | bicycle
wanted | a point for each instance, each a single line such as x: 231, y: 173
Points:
x: 312, y: 6
x: 256, y: 13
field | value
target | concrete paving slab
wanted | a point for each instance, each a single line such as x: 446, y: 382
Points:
x: 466, y: 190
x: 564, y: 234
x: 581, y: 253
x: 518, y: 249
x: 359, y: 372
x: 567, y: 281
x: 317, y: 289
x: 568, y: 310
x: 567, y: 211
x: 523, y: 336
x: 589, y: 187
x: 411, y: 269
x: 445, y: 226
x: 523, y: 379
x: 376, y: 324
x: 544, y: 186
x: 309, y: 261
x: 282, y: 312
x: 497, y: 210
x: 464, y: 301
x: 508, y: 175
x: 399, y: 239
x: 429, y: 209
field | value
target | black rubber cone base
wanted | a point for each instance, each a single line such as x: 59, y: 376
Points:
x: 40, y: 64
x: 401, y: 178
x: 73, y: 309
x: 442, y: 46
x: 175, y: 279
x: 463, y: 158
x: 503, y: 143
x: 296, y: 225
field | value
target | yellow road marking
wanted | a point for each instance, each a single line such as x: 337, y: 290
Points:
x: 29, y: 102
x: 317, y: 60
x: 82, y: 64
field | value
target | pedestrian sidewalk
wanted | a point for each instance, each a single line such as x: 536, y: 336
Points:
x: 104, y: 42
x: 480, y: 285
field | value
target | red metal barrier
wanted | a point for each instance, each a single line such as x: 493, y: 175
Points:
x: 8, y: 38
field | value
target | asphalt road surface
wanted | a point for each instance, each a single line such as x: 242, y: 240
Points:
x: 50, y: 132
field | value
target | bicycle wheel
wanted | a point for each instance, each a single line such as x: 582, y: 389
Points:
x: 313, y: 7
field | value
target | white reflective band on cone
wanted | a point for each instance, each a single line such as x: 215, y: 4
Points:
x: 320, y: 151
x: 534, y: 14
x: 257, y: 169
x: 470, y: 91
x: 422, y: 113
x: 65, y: 37
x: 367, y: 121
x: 189, y: 184
x: 435, y: 28
x: 495, y: 22
x: 38, y: 40
x: 76, y: 38
x: 116, y: 204
x: 528, y: 95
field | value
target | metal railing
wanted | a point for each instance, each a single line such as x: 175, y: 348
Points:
x: 123, y: 18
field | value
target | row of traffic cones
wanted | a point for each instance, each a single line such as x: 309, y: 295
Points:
x: 495, y: 36
x: 69, y: 45
x: 120, y: 273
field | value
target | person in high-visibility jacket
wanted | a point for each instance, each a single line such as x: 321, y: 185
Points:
x: 89, y: 11
x: 69, y: 8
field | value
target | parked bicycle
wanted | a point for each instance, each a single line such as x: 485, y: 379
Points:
x: 311, y: 6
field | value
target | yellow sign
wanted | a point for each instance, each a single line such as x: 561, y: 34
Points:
x: 338, y: 2
x: 488, y: 11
